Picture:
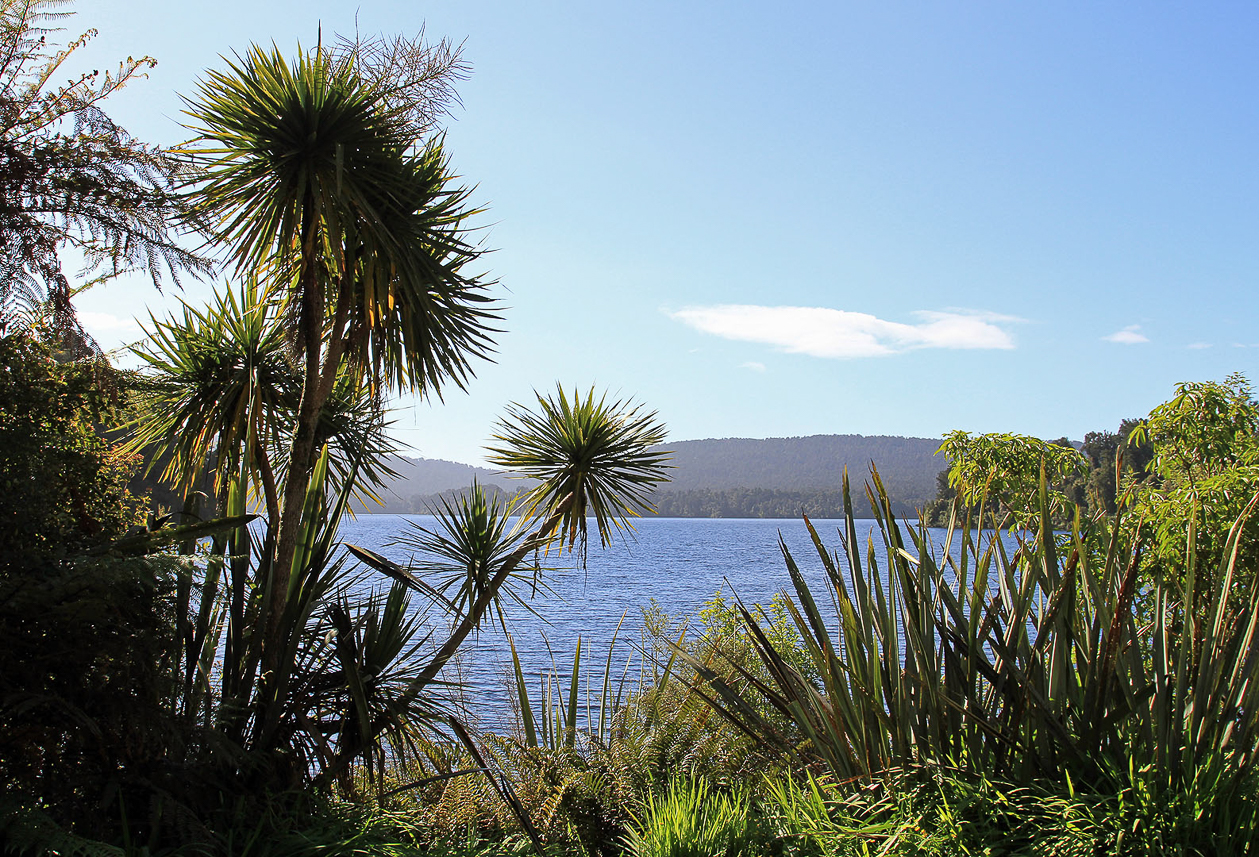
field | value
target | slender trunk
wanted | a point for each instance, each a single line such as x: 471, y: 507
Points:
x: 473, y: 617
x: 321, y: 368
x: 322, y: 365
x: 301, y: 455
x: 301, y: 463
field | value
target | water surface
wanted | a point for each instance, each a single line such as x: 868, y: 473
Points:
x: 680, y: 563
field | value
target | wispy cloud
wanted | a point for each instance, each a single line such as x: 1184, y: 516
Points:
x: 106, y: 324
x: 1198, y: 346
x: 106, y: 321
x: 753, y: 365
x: 825, y: 332
x: 1130, y: 335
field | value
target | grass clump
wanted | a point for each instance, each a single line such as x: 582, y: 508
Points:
x: 693, y: 819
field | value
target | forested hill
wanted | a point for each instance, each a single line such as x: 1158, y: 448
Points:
x: 907, y: 465
x: 733, y: 477
x: 421, y: 480
x: 433, y: 475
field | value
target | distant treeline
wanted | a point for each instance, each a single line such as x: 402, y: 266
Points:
x: 765, y: 503
x: 907, y: 465
x: 424, y: 504
x: 696, y: 503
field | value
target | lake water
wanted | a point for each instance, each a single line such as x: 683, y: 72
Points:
x: 680, y: 563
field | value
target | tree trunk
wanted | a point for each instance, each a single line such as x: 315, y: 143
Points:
x: 301, y: 463
x: 322, y: 365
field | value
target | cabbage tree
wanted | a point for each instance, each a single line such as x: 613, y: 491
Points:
x: 315, y: 179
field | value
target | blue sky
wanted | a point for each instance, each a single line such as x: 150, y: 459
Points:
x: 770, y: 220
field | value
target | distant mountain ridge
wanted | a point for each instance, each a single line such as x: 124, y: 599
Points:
x: 434, y: 475
x: 728, y: 476
x: 907, y: 465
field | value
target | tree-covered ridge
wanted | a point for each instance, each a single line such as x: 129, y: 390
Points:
x: 728, y: 477
x: 764, y: 503
x: 697, y: 503
x: 907, y: 465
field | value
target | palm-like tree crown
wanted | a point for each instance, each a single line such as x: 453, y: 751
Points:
x: 311, y: 177
x: 218, y: 381
x: 598, y: 453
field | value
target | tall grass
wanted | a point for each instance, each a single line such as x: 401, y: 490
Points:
x: 691, y: 819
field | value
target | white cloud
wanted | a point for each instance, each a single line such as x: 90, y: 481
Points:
x: 1198, y: 346
x: 100, y: 323
x: 753, y: 365
x: 824, y: 332
x: 1130, y: 335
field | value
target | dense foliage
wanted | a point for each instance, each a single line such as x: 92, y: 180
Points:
x: 1004, y: 471
x: 85, y: 637
x: 1204, y: 474
x: 62, y: 488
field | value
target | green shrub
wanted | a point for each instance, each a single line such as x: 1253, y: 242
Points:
x: 692, y: 819
x: 62, y: 488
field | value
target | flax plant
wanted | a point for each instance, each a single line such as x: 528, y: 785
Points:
x: 1021, y: 664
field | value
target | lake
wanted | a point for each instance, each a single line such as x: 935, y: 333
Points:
x: 680, y: 563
